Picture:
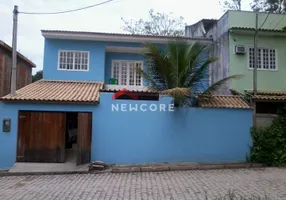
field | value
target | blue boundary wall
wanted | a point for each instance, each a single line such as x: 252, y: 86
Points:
x: 124, y: 136
x: 8, y: 141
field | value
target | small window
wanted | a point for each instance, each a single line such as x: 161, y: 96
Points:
x: 125, y: 72
x: 266, y: 59
x: 73, y: 60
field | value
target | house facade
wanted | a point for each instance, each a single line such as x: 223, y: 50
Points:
x: 117, y: 56
x: 235, y: 30
x: 233, y: 36
x: 24, y: 69
x: 75, y: 114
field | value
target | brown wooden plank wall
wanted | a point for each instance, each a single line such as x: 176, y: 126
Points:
x: 24, y: 72
x: 84, y: 138
x: 41, y: 137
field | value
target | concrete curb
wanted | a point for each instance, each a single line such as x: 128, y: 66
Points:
x: 181, y: 167
x: 39, y: 173
x: 146, y: 168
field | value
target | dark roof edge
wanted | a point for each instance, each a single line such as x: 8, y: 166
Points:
x: 135, y: 91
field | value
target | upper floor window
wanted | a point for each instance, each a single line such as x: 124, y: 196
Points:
x: 266, y: 59
x: 125, y: 72
x: 73, y: 60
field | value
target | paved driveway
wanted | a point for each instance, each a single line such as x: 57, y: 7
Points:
x: 164, y: 185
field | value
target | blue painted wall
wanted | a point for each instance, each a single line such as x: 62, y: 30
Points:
x: 99, y: 63
x: 96, y: 62
x: 190, y: 135
x: 8, y: 141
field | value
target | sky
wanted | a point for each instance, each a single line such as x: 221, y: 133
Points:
x: 104, y: 18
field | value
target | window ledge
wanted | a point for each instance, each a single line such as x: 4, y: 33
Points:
x: 119, y: 87
x: 267, y: 70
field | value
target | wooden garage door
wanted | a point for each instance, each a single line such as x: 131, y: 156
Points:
x: 41, y: 137
x: 84, y: 138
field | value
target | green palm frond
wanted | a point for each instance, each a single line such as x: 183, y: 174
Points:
x: 152, y: 84
x: 214, y: 88
x: 159, y: 61
x: 178, y: 69
x: 177, y: 92
x: 194, y: 54
x: 200, y: 73
x: 177, y: 61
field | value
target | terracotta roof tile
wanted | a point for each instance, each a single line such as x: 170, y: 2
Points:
x: 224, y: 101
x: 268, y: 95
x: 253, y: 29
x: 58, y: 91
x: 267, y: 92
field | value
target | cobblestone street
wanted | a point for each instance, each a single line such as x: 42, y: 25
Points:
x: 156, y: 185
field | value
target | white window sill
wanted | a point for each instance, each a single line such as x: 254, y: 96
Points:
x: 267, y: 70
x: 119, y: 87
x: 74, y: 70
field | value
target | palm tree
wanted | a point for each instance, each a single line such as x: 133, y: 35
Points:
x: 179, y: 69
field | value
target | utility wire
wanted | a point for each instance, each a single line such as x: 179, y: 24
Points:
x: 264, y: 20
x: 66, y: 11
x: 279, y: 21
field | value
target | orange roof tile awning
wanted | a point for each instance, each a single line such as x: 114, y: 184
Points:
x: 59, y: 91
x: 224, y: 101
x: 268, y: 95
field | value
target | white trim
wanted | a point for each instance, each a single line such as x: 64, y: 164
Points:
x: 127, y: 81
x: 128, y: 87
x: 116, y: 37
x: 262, y: 69
x: 76, y: 70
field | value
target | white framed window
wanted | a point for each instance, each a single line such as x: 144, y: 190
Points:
x: 73, y: 60
x: 124, y: 71
x: 266, y: 58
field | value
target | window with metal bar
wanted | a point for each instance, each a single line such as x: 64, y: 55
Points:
x: 73, y: 60
x: 266, y: 58
x: 125, y: 72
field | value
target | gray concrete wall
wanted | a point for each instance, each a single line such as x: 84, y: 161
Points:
x: 195, y: 30
x: 220, y: 69
x: 265, y: 120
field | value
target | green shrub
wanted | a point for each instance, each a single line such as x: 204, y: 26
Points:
x: 269, y: 144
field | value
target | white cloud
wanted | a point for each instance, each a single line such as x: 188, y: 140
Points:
x: 106, y: 18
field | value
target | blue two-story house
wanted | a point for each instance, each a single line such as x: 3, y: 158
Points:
x: 69, y: 115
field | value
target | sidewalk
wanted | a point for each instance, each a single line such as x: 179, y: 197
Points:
x: 169, y: 185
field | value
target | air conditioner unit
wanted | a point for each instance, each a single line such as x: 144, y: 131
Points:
x: 239, y: 49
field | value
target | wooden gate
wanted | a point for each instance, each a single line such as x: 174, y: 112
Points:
x: 41, y: 137
x: 84, y: 138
